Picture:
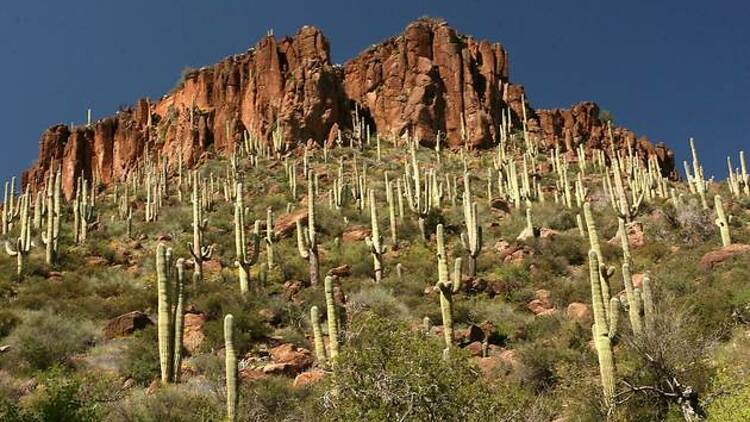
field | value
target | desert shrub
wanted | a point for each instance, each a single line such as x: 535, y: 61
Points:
x: 388, y: 372
x: 379, y: 300
x: 169, y: 403
x: 140, y: 361
x: 44, y: 340
x: 62, y: 398
x: 275, y: 399
x: 732, y: 405
x: 695, y: 224
x: 8, y: 321
x: 247, y: 327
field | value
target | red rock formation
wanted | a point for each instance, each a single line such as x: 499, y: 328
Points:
x: 430, y: 79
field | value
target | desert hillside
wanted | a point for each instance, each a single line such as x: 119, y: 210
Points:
x: 402, y: 237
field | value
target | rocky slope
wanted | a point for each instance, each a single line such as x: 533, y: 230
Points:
x: 424, y: 81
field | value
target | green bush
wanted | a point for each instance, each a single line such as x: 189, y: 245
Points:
x: 61, y: 397
x: 388, y: 372
x: 8, y: 321
x: 141, y: 358
x: 44, y: 340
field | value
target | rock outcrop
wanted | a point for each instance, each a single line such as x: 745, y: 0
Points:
x: 426, y: 81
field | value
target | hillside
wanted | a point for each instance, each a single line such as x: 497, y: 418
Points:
x: 399, y: 238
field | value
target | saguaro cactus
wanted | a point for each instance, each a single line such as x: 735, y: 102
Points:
x: 604, y: 329
x: 605, y: 272
x: 375, y: 242
x: 333, y: 330
x: 471, y: 238
x: 230, y: 363
x: 170, y: 308
x: 447, y: 286
x: 721, y: 222
x: 164, y: 319
x: 51, y: 235
x: 200, y: 253
x: 307, y: 240
x: 243, y: 262
x: 178, y: 318
x: 320, y: 350
x: 23, y: 243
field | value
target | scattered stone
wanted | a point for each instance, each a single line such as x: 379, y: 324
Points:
x: 291, y: 288
x: 153, y: 387
x: 499, y: 204
x: 287, y: 224
x: 307, y: 378
x: 541, y: 305
x: 580, y: 312
x: 340, y: 271
x: 355, y: 234
x: 250, y: 374
x: 716, y: 257
x: 636, y: 237
x: 270, y: 316
x: 294, y: 358
x: 546, y: 233
x: 193, y: 335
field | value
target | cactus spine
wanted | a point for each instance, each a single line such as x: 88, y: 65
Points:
x: 307, y: 240
x: 375, y: 242
x: 230, y: 363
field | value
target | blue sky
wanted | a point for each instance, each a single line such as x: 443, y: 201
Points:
x: 669, y: 70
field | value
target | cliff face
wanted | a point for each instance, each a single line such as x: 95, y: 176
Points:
x: 425, y: 81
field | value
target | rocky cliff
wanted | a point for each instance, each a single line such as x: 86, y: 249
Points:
x: 427, y: 80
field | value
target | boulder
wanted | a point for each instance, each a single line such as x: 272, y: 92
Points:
x: 192, y: 332
x: 307, y: 378
x: 716, y: 257
x: 126, y: 324
x: 286, y: 225
x: 580, y: 312
x: 289, y: 359
x: 355, y: 234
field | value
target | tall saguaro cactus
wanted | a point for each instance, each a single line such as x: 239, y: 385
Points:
x: 320, y: 350
x: 200, y: 253
x: 722, y: 222
x: 604, y: 329
x: 447, y: 286
x: 332, y: 317
x: 375, y: 241
x: 23, y: 243
x: 307, y: 239
x: 51, y: 236
x: 243, y: 262
x: 605, y: 273
x: 230, y: 364
x: 472, y: 236
x: 170, y: 308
